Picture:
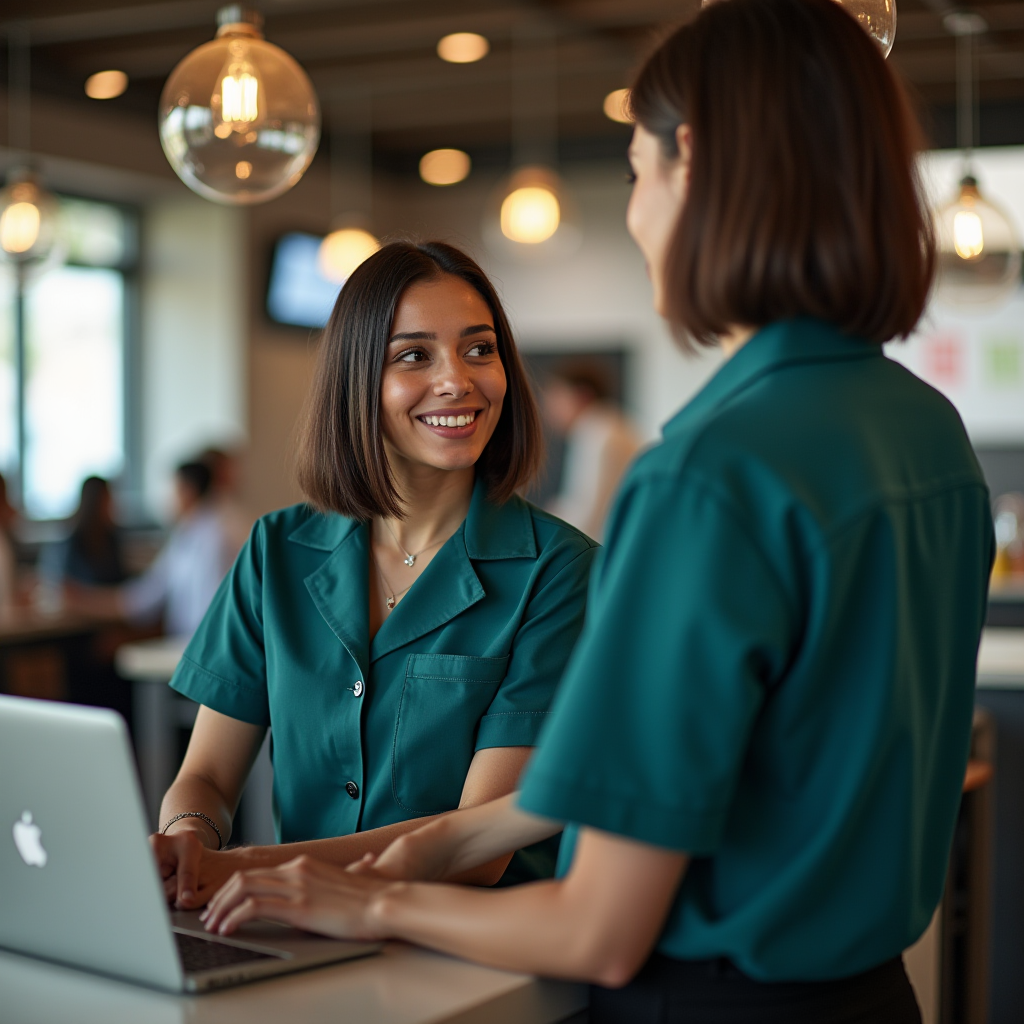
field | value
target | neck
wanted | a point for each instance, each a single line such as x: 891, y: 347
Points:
x: 436, y: 500
x: 734, y: 339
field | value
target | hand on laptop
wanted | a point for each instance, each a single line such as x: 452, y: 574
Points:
x: 304, y: 893
x: 191, y: 871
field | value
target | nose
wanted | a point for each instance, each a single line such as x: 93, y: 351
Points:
x: 452, y: 379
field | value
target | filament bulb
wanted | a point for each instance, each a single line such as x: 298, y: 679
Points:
x: 237, y: 94
x: 968, y: 237
x: 19, y: 227
x: 530, y: 214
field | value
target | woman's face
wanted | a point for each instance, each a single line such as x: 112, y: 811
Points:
x: 659, y: 192
x: 443, y: 384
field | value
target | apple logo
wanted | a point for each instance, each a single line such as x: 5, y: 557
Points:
x: 26, y: 839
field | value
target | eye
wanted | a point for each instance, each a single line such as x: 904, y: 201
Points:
x: 631, y: 177
x: 411, y: 355
x: 483, y: 348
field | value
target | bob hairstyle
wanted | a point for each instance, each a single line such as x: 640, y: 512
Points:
x: 342, y: 464
x: 803, y: 198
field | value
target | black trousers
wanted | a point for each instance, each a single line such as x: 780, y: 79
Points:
x: 668, y: 991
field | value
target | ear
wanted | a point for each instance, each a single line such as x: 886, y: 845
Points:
x: 681, y: 171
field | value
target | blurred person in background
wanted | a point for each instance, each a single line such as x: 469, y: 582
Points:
x: 183, y: 578
x: 224, y: 492
x: 8, y: 563
x: 600, y: 443
x: 93, y: 552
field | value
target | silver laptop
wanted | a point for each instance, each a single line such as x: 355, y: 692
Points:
x: 78, y: 883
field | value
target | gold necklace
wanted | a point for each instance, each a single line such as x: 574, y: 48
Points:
x: 395, y: 594
x: 410, y: 559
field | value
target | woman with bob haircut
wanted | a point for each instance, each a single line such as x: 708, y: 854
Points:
x: 402, y: 633
x: 760, y: 741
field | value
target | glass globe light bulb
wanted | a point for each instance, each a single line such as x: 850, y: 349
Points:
x: 28, y: 220
x: 530, y: 212
x: 876, y: 17
x: 979, y: 251
x: 239, y: 118
x: 342, y: 251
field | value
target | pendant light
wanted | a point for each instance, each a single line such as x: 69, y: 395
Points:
x: 532, y: 204
x: 876, y: 17
x: 239, y: 118
x: 350, y: 241
x: 979, y: 258
x: 28, y: 213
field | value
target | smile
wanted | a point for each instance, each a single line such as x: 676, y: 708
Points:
x: 460, y: 420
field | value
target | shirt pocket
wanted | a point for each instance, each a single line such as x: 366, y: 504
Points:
x: 444, y: 696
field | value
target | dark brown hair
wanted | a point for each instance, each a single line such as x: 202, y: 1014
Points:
x: 342, y: 464
x: 803, y: 198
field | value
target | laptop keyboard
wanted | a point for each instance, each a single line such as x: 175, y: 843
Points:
x: 205, y: 954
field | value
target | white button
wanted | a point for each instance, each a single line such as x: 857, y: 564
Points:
x: 357, y: 690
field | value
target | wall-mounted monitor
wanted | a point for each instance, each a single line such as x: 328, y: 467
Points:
x: 298, y: 294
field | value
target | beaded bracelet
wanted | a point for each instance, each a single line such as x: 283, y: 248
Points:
x: 196, y: 814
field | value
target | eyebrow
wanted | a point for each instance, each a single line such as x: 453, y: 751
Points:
x: 430, y: 336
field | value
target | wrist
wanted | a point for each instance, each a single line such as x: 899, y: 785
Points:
x: 383, y: 910
x: 202, y: 830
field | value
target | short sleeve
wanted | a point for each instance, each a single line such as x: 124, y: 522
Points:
x: 688, y: 626
x: 540, y: 651
x: 224, y: 665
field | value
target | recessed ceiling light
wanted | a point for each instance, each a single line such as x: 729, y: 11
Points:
x: 444, y: 166
x: 106, y: 85
x: 616, y: 106
x: 463, y: 48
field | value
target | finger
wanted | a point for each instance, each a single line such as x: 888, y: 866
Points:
x: 189, y: 855
x: 253, y: 907
x: 171, y: 889
x: 240, y: 887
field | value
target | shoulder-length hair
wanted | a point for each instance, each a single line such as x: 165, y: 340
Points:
x: 803, y: 197
x: 342, y: 464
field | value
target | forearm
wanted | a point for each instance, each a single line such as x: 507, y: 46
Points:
x: 478, y: 835
x: 531, y: 928
x: 344, y: 850
x: 192, y: 793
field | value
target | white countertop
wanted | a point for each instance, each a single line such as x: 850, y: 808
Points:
x: 150, y: 660
x: 401, y: 985
x: 1001, y: 659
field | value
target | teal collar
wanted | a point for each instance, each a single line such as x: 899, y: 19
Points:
x: 492, y: 531
x: 448, y: 586
x: 801, y: 340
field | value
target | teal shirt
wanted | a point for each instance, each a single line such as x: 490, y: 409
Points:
x: 368, y: 734
x: 777, y: 670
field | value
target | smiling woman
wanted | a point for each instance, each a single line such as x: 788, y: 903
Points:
x: 403, y: 633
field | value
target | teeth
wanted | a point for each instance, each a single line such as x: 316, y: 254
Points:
x: 450, y: 421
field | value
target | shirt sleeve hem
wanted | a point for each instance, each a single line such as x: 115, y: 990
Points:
x: 686, y: 830
x: 234, y: 699
x: 510, y: 729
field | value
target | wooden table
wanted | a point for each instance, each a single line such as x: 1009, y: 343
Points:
x: 401, y: 985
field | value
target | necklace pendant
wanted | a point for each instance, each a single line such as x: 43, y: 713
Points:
x: 410, y: 560
x: 391, y: 603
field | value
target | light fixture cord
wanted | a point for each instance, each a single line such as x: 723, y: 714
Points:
x: 351, y: 144
x: 965, y: 94
x: 534, y: 95
x: 19, y: 114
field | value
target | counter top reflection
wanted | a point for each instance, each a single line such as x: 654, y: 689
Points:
x: 401, y: 985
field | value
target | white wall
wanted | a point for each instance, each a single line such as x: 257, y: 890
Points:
x: 976, y: 356
x: 589, y: 292
x: 193, y: 345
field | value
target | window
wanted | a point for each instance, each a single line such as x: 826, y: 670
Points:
x: 75, y: 337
